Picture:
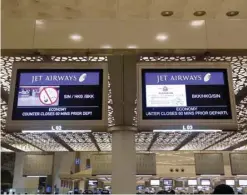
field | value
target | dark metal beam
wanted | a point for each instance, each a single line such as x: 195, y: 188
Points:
x: 94, y: 141
x: 238, y: 145
x: 143, y: 52
x: 4, y: 95
x: 60, y: 141
x: 155, y: 137
x: 241, y: 95
x: 185, y: 141
x: 7, y: 146
x: 220, y: 140
x: 25, y: 141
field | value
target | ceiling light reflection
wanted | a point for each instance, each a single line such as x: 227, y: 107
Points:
x: 106, y: 46
x: 132, y: 46
x: 161, y: 37
x: 197, y: 23
x: 40, y: 22
x: 76, y: 37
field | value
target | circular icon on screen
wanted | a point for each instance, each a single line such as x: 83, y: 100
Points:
x: 82, y: 77
x: 48, y: 96
x: 165, y: 88
x: 207, y: 77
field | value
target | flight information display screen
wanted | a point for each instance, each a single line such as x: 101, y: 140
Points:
x: 230, y: 182
x: 242, y: 182
x: 155, y: 182
x: 192, y: 182
x: 205, y: 182
x: 185, y: 94
x: 50, y: 94
x: 167, y: 182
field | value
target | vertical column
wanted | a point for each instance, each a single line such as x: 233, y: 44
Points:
x: 123, y: 162
x: 18, y: 181
x: 56, y: 181
x: 82, y: 185
x: 183, y: 184
x: 227, y: 165
x: 85, y: 160
x: 73, y: 185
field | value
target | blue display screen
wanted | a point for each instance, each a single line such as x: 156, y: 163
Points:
x: 185, y: 94
x: 58, y: 94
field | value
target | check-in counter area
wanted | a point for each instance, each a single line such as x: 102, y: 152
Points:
x: 77, y: 172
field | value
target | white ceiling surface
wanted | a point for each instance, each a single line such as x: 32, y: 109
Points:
x: 120, y: 9
x: 121, y: 23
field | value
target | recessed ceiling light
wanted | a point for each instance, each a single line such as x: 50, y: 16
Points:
x: 232, y: 13
x: 167, y: 13
x: 161, y: 37
x: 132, y: 46
x: 197, y: 23
x: 199, y: 13
x: 75, y: 37
x: 106, y: 46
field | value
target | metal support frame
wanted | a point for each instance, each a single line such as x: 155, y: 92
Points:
x: 25, y: 141
x: 231, y: 134
x: 155, y: 137
x: 238, y: 145
x: 4, y: 95
x: 7, y: 146
x: 241, y: 95
x: 186, y: 141
x: 94, y: 141
x: 60, y: 141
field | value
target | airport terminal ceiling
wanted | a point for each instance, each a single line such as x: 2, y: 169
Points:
x: 44, y: 26
x: 122, y: 73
